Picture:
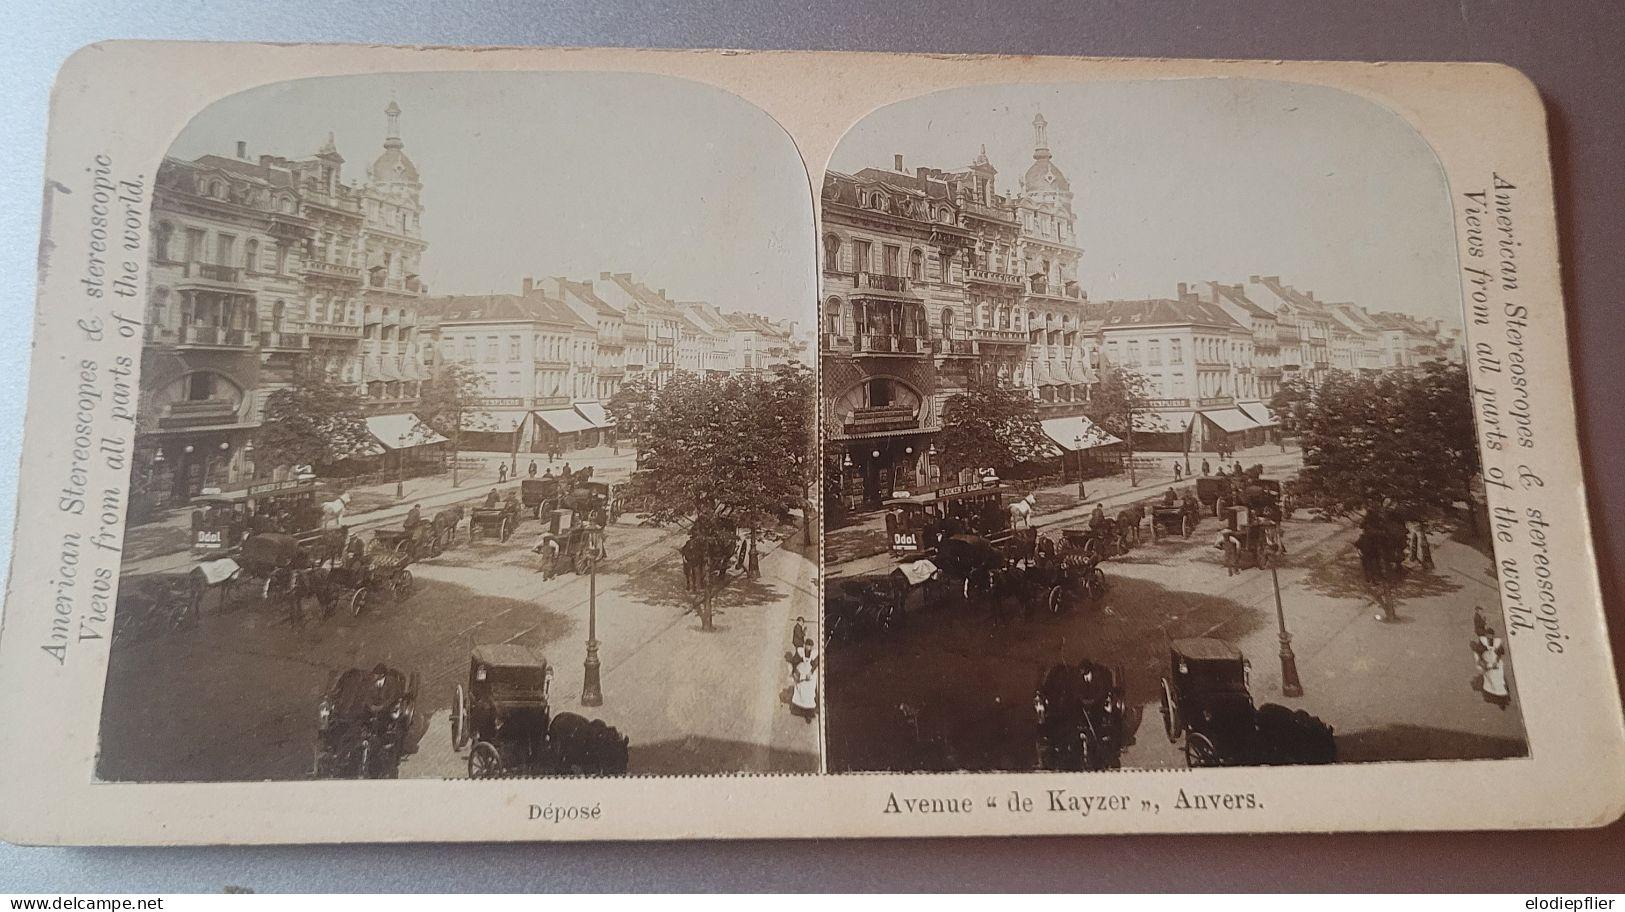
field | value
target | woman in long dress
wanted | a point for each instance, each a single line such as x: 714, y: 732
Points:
x: 804, y: 682
x: 1492, y: 668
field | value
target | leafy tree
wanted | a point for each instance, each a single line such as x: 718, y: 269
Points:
x: 722, y: 449
x: 630, y: 406
x: 313, y: 421
x: 449, y: 402
x: 1120, y: 393
x: 1290, y: 401
x: 1405, y: 438
x: 990, y: 425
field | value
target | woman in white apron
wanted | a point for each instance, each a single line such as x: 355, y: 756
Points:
x: 804, y: 682
x: 1492, y: 668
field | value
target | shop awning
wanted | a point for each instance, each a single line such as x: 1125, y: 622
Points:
x: 595, y: 414
x: 1259, y: 413
x: 1170, y: 422
x: 371, y: 369
x: 390, y: 371
x: 401, y: 432
x: 1076, y: 432
x: 1041, y: 374
x: 494, y: 421
x: 564, y: 421
x: 1231, y: 421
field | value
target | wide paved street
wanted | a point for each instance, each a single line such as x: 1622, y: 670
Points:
x: 236, y: 697
x: 955, y: 689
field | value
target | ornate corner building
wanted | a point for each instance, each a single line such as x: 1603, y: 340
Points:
x: 933, y: 278
x: 263, y: 268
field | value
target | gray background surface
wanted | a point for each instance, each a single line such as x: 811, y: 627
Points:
x: 1573, y: 52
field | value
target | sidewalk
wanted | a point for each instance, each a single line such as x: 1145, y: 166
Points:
x: 865, y: 536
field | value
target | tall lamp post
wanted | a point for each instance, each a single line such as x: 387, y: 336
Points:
x: 1133, y: 478
x: 1291, y: 686
x: 592, y: 693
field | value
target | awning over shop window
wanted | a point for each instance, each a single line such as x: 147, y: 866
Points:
x: 1076, y: 433
x: 564, y: 421
x: 371, y: 369
x: 401, y: 432
x: 494, y: 421
x: 1170, y: 423
x: 1042, y: 375
x: 595, y: 414
x: 390, y: 370
x: 1231, y: 421
x: 1259, y: 413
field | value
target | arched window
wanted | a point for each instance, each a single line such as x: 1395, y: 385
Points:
x: 832, y: 316
x: 947, y: 322
x: 251, y: 256
x: 916, y: 265
x: 832, y: 253
x: 165, y: 231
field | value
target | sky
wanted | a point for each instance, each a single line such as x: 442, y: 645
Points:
x: 1208, y: 179
x: 536, y: 174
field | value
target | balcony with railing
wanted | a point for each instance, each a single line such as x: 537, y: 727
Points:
x: 990, y: 213
x: 410, y: 286
x: 992, y: 277
x: 875, y: 281
x: 547, y: 402
x: 201, y: 336
x: 1043, y: 288
x: 889, y: 344
x: 275, y: 340
x: 198, y: 413
x: 879, y: 419
x: 989, y: 335
x: 210, y: 275
x: 1215, y: 401
x: 333, y: 330
x: 324, y: 270
x: 953, y: 348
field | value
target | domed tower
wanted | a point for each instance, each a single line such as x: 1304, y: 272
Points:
x: 1044, y: 183
x: 392, y: 172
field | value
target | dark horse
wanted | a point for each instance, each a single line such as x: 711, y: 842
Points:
x: 583, y: 747
x: 443, y: 528
x: 711, y: 543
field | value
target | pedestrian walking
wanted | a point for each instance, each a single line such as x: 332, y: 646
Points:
x: 550, y: 453
x: 502, y: 472
x: 798, y: 633
x: 1083, y: 494
x: 1206, y: 469
x: 532, y: 470
x: 1492, y: 681
x: 1231, y: 546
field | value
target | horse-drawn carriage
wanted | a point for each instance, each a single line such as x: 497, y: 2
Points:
x: 574, y: 547
x: 1175, y: 516
x: 1081, y: 717
x: 363, y: 723
x: 151, y: 603
x: 222, y: 521
x: 366, y: 572
x: 1101, y: 540
x: 916, y: 524
x: 414, y: 542
x: 1065, y: 574
x: 505, y: 720
x: 1257, y: 537
x: 539, y: 495
x: 855, y: 607
x: 1205, y: 699
x: 494, y: 519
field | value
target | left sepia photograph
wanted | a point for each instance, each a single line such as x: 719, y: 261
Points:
x: 475, y: 438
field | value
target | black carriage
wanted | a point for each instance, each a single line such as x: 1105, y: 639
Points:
x: 1100, y: 540
x: 414, y: 543
x: 1258, y: 538
x: 577, y: 547
x: 271, y: 561
x: 539, y: 495
x: 156, y: 602
x: 1205, y: 699
x: 1175, y: 517
x: 365, y: 574
x: 1062, y: 577
x: 504, y: 719
x: 597, y: 500
x: 363, y: 723
x: 1210, y: 489
x: 855, y: 607
x: 1081, y: 717
x: 497, y: 521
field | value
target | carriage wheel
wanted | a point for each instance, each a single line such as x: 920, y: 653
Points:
x: 358, y: 602
x: 1170, y: 712
x: 1185, y: 524
x: 1199, y: 751
x: 402, y: 583
x: 459, y: 719
x: 502, y: 530
x: 1097, y: 583
x: 582, y: 563
x: 484, y: 761
x: 409, y: 704
x: 1053, y: 601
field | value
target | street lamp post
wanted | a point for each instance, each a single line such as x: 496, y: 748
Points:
x: 400, y: 472
x: 592, y: 693
x: 1291, y: 686
x: 1133, y: 477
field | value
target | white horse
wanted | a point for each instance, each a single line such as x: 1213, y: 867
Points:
x: 333, y: 511
x: 1021, y: 512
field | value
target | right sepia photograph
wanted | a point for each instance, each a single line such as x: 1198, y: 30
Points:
x: 1147, y: 436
